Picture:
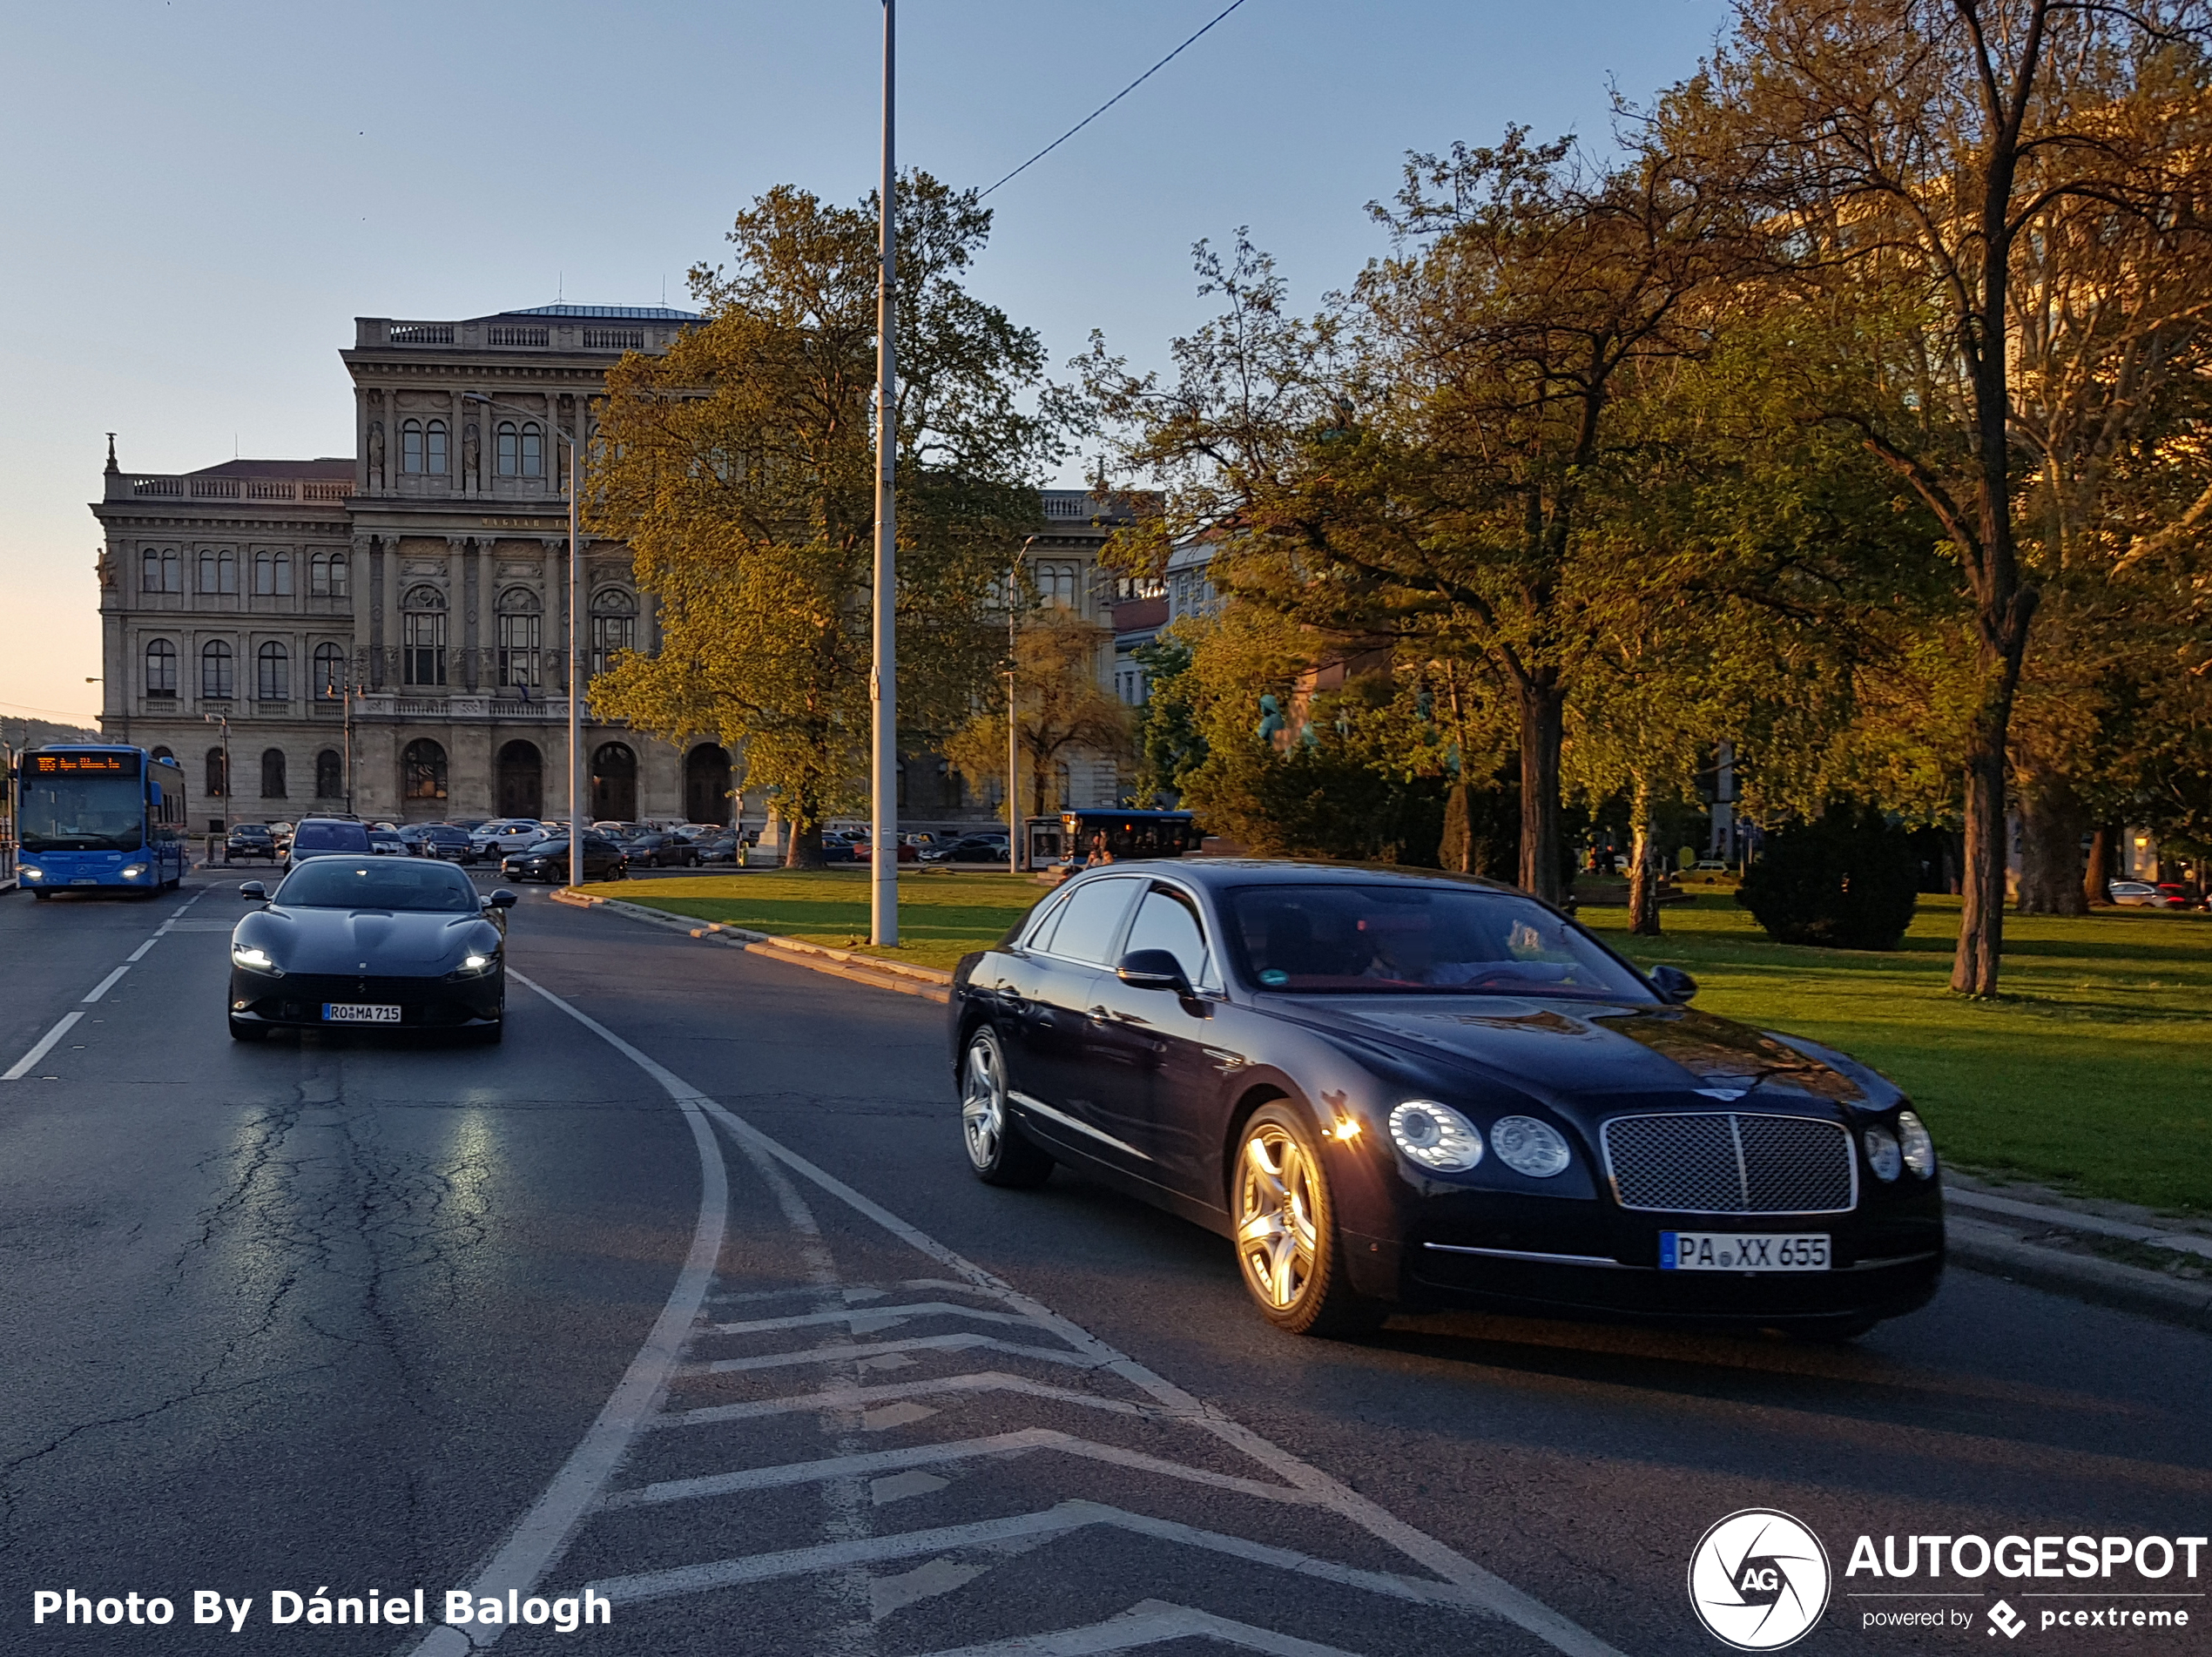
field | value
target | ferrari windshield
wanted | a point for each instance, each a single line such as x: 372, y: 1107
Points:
x: 378, y: 883
x: 1428, y: 938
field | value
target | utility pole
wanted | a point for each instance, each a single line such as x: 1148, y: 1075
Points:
x: 883, y: 684
x: 1013, y: 721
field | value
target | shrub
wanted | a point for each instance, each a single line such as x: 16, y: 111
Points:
x: 1848, y: 881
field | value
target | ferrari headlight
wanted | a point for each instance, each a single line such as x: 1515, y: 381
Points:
x: 1882, y: 1154
x: 1918, y: 1150
x: 252, y: 958
x: 472, y: 966
x: 1530, y: 1147
x: 1435, y: 1136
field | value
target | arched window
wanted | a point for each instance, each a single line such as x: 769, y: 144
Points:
x: 706, y: 783
x: 273, y: 773
x: 423, y: 770
x: 161, y: 668
x: 338, y: 575
x: 435, y: 448
x: 218, y: 569
x: 218, y: 777
x: 533, y: 451
x: 330, y: 671
x: 272, y: 574
x: 518, y: 625
x: 614, y: 783
x: 614, y: 626
x: 318, y: 574
x: 508, y: 451
x: 411, y: 445
x: 423, y: 657
x: 163, y: 753
x: 158, y: 571
x: 271, y: 673
x: 520, y: 780
x: 216, y: 680
x: 1058, y: 583
x: 330, y: 775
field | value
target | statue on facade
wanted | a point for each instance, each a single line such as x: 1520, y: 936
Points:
x: 375, y: 454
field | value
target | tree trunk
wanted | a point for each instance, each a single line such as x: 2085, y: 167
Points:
x: 1543, y: 722
x: 1455, y: 852
x: 2097, y: 870
x: 1643, y: 873
x: 803, y: 847
x: 2052, y: 819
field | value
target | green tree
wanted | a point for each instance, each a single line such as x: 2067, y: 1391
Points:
x: 739, y: 468
x: 1063, y: 711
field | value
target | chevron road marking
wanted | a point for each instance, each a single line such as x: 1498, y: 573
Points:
x: 876, y: 1316
x: 884, y: 1349
x: 1149, y: 1622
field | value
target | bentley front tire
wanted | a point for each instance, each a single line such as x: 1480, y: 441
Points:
x: 998, y: 1152
x: 1287, y: 1247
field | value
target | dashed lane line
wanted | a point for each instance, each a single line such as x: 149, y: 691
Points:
x: 1463, y: 1582
x: 62, y: 1028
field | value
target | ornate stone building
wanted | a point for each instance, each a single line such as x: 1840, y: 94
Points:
x: 388, y: 633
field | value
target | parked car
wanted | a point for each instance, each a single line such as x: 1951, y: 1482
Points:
x: 864, y: 852
x: 2178, y: 892
x: 250, y: 840
x: 2141, y: 894
x: 281, y: 833
x: 323, y: 837
x: 547, y: 861
x: 971, y: 848
x: 500, y: 835
x: 654, y: 850
x: 722, y: 848
x: 1389, y: 1089
x: 389, y: 843
x: 440, y: 840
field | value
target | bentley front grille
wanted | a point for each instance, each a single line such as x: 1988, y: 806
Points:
x: 1730, y: 1163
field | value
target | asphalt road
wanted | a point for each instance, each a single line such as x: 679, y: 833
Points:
x: 684, y: 1295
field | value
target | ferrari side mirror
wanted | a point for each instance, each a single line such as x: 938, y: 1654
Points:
x: 1673, y: 983
x: 502, y: 899
x: 254, y: 891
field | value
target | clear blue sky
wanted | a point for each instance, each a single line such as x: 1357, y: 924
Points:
x: 200, y: 196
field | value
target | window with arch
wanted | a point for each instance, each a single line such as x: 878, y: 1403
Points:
x: 271, y: 673
x: 411, y: 445
x: 218, y: 775
x: 522, y: 449
x: 423, y: 770
x: 163, y: 753
x: 273, y: 773
x: 161, y: 668
x: 330, y: 775
x: 423, y: 627
x: 434, y: 449
x: 217, y: 671
x: 614, y: 626
x: 158, y: 571
x: 218, y: 569
x: 330, y: 671
x: 327, y: 575
x: 533, y: 450
x: 1058, y: 583
x: 519, y: 636
x: 273, y: 574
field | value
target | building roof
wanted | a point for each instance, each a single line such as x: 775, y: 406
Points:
x: 324, y: 468
x: 626, y: 313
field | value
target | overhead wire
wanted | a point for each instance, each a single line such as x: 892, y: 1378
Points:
x: 1111, y: 102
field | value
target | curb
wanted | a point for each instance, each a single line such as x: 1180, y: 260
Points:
x: 1980, y: 1246
x: 930, y: 983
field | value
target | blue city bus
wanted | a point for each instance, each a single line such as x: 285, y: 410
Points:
x: 89, y: 816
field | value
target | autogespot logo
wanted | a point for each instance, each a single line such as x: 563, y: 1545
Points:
x: 1758, y: 1579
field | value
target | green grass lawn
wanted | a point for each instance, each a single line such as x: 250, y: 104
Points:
x: 2092, y: 1074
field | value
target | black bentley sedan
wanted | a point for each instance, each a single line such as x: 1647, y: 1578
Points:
x: 382, y: 942
x: 1391, y: 1089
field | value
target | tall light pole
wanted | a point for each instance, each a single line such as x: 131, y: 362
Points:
x: 883, y: 684
x: 576, y: 591
x: 1013, y: 723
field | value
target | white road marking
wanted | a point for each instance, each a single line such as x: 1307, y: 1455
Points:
x: 1149, y: 1622
x: 922, y: 1343
x: 45, y: 1042
x: 875, y: 1317
x: 862, y: 1398
x: 1464, y: 1583
x: 108, y: 983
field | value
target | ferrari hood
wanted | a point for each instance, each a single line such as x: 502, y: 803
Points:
x: 374, y: 941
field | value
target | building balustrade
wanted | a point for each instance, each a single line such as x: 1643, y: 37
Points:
x: 142, y: 486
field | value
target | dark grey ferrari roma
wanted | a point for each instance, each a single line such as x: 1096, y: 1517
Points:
x: 370, y: 942
x: 1397, y: 1090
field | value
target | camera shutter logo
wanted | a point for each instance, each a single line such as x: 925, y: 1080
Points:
x: 1759, y: 1580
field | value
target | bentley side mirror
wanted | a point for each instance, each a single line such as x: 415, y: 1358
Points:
x: 254, y: 891
x: 502, y: 899
x: 1673, y: 983
x: 1153, y: 969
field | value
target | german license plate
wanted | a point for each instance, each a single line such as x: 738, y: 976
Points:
x: 85, y: 881
x: 359, y: 1013
x: 1743, y: 1252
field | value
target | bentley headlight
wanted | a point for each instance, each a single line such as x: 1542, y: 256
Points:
x: 1436, y: 1135
x: 1914, y: 1144
x: 252, y: 958
x: 1530, y: 1147
x: 1882, y: 1155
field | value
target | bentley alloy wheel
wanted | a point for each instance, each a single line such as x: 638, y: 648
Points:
x: 1286, y: 1230
x: 998, y: 1152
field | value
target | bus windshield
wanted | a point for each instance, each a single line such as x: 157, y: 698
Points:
x: 81, y: 803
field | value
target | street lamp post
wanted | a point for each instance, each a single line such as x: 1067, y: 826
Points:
x: 1013, y: 724
x: 223, y: 720
x: 575, y: 589
x: 883, y: 684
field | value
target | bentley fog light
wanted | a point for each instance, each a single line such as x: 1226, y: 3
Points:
x: 252, y: 957
x: 1912, y: 1139
x: 1530, y: 1147
x: 1436, y: 1135
x: 1882, y: 1153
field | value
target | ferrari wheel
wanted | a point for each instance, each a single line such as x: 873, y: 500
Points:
x: 998, y: 1152
x: 1286, y: 1230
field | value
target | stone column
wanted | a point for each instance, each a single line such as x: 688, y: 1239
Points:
x: 359, y: 613
x: 376, y: 583
x: 554, y: 639
x: 463, y: 549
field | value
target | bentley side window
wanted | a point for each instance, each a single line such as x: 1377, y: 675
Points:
x: 1167, y: 919
x: 1093, y: 915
